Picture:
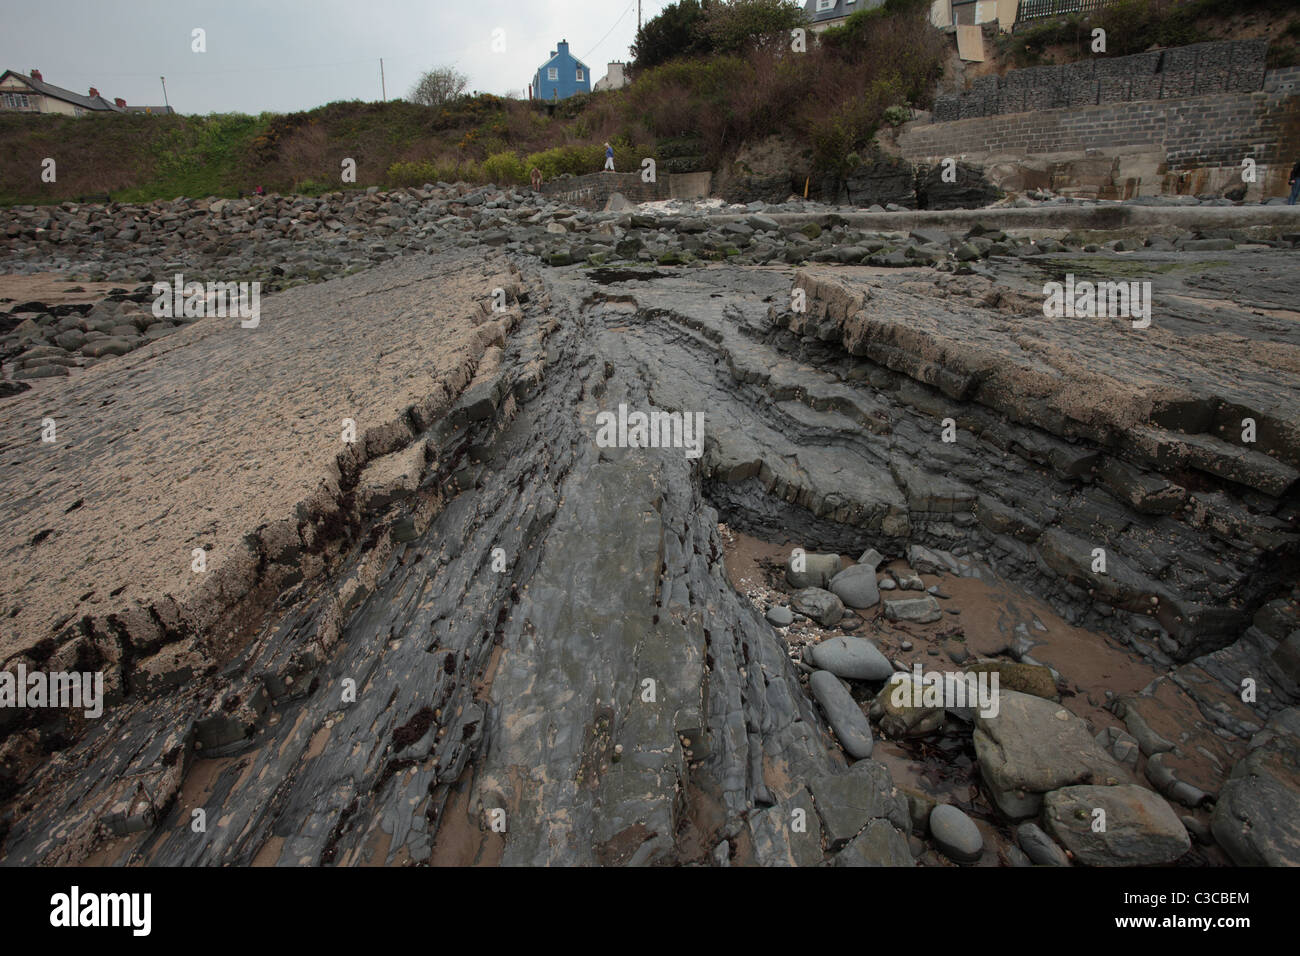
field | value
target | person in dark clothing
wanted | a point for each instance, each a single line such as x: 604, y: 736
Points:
x: 1295, y: 184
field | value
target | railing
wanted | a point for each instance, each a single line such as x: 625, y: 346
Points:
x: 1034, y: 9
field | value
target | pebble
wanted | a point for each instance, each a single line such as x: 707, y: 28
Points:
x: 1039, y: 847
x: 955, y: 834
x: 780, y: 616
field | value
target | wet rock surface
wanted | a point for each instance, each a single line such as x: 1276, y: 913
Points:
x: 488, y: 638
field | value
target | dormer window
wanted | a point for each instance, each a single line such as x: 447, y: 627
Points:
x: 553, y: 73
x: 579, y: 76
x: 824, y: 5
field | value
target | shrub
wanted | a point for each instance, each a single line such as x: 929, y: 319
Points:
x: 842, y: 131
x: 412, y: 174
x: 897, y: 115
x: 439, y: 87
x: 505, y: 168
x: 575, y: 160
x: 734, y: 26
x: 675, y: 32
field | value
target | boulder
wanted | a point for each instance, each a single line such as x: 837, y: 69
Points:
x: 850, y: 800
x: 879, y: 844
x: 1033, y: 746
x: 811, y: 570
x: 856, y: 586
x: 956, y: 834
x: 855, y: 658
x: 780, y: 616
x: 850, y: 725
x: 905, y: 715
x: 822, y: 606
x: 1257, y: 817
x: 921, y: 610
x: 1140, y: 828
x: 1039, y: 847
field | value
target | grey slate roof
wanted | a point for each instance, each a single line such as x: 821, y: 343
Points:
x: 841, y: 8
x: 59, y: 93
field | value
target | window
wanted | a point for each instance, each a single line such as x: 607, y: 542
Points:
x: 824, y: 5
x: 16, y: 101
x: 553, y: 73
x: 580, y: 76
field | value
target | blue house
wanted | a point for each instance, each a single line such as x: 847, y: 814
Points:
x: 561, y: 76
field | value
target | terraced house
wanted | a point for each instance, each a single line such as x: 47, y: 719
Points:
x: 833, y: 13
x: 23, y: 93
x: 561, y: 76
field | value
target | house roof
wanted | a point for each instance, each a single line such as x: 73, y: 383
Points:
x: 840, y: 8
x: 59, y: 93
x: 557, y: 56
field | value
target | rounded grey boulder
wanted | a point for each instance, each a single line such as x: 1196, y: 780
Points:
x: 1039, y: 847
x: 851, y: 726
x: 813, y: 571
x: 853, y: 657
x: 780, y: 616
x: 955, y: 834
x: 856, y: 586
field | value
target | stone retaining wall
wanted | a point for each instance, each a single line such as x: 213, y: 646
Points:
x: 1203, y: 69
x: 1218, y: 130
x: 593, y: 190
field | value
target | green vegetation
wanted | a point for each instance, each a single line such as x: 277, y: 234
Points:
x: 728, y: 76
x: 712, y: 76
x: 675, y: 32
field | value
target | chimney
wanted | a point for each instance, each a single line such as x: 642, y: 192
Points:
x: 94, y: 92
x: 564, y: 46
x: 121, y: 103
x: 36, y: 74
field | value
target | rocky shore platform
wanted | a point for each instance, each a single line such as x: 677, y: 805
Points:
x: 475, y: 634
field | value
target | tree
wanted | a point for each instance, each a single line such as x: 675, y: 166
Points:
x: 736, y: 26
x: 438, y: 87
x: 675, y: 32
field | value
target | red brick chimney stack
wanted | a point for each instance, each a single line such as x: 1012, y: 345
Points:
x: 94, y: 92
x: 36, y: 74
x: 121, y: 103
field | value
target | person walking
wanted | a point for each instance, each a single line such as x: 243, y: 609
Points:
x: 609, y: 157
x: 536, y: 178
x: 1295, y: 184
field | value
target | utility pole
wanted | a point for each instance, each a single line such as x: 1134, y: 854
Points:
x: 167, y: 106
x: 383, y: 90
x: 638, y: 16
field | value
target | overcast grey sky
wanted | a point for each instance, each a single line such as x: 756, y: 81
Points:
x: 286, y: 55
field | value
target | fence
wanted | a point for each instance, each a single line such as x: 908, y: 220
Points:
x: 1036, y: 9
